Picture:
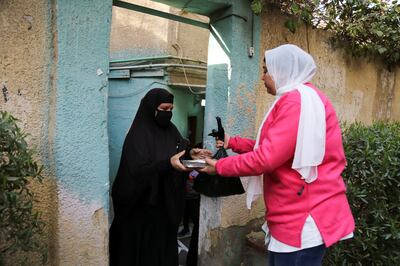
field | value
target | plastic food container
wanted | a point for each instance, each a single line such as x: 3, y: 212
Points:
x: 194, y: 163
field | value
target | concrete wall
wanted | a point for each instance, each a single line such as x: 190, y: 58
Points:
x: 360, y: 89
x: 26, y: 58
x: 80, y: 137
x: 135, y: 34
x: 53, y: 66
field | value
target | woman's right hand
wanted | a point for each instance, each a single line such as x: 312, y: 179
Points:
x: 220, y: 143
x: 210, y: 168
x: 199, y: 154
x: 176, y: 163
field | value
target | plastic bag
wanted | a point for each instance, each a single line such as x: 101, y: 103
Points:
x: 216, y: 185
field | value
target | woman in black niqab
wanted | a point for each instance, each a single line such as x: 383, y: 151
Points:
x: 148, y: 192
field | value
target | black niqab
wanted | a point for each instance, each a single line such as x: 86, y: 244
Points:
x: 143, y: 177
x: 147, y: 189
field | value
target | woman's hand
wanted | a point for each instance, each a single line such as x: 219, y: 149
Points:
x: 210, y: 168
x: 176, y: 163
x: 198, y: 154
x: 220, y: 143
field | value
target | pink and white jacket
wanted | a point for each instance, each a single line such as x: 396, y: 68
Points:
x: 288, y: 198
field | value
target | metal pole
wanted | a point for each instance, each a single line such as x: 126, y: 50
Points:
x: 158, y: 66
x: 158, y: 13
x: 155, y: 58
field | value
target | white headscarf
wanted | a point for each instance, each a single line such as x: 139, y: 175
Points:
x: 290, y: 67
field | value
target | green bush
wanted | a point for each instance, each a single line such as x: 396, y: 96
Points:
x: 20, y: 225
x: 373, y: 188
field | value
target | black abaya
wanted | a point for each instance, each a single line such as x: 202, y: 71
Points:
x: 147, y: 193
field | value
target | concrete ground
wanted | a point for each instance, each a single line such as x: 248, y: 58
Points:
x: 255, y: 253
x: 183, y: 246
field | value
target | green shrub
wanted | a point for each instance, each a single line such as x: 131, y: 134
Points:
x: 373, y: 188
x: 20, y: 225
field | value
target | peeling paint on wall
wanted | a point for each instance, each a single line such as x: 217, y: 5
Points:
x: 25, y: 62
x: 29, y: 21
x: 83, y: 239
x: 81, y: 140
x: 5, y: 92
x: 232, y: 79
x: 18, y: 104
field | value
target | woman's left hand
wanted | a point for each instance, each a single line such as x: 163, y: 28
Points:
x: 210, y: 168
x: 197, y: 154
x: 176, y: 163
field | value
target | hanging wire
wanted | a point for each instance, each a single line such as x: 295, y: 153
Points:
x: 180, y: 55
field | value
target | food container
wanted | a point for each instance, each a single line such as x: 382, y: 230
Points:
x: 194, y: 163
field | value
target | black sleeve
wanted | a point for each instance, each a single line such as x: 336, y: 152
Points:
x: 164, y: 166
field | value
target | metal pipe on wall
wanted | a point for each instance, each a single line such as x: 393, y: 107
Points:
x: 156, y: 58
x: 158, y: 13
x: 158, y: 66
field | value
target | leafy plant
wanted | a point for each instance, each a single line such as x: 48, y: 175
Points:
x: 20, y: 225
x: 365, y: 28
x: 373, y: 188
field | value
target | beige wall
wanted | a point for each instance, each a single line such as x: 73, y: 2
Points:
x: 25, y: 56
x: 131, y: 30
x: 360, y: 89
x: 135, y: 34
x: 192, y: 40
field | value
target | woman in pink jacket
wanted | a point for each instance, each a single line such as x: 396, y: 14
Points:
x: 296, y: 162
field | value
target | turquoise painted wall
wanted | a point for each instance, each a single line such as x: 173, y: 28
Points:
x: 80, y: 141
x: 232, y: 81
x: 124, y: 100
x: 233, y: 76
